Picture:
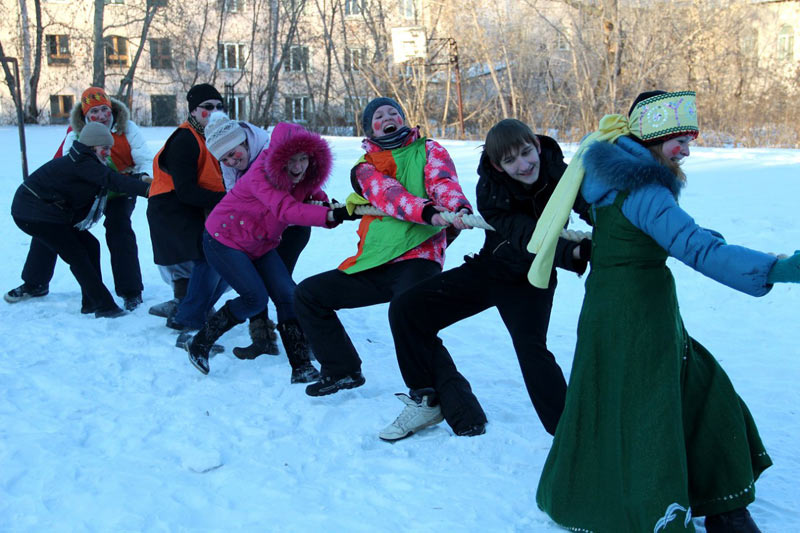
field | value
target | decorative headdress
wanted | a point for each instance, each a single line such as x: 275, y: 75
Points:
x: 658, y: 118
x: 652, y: 119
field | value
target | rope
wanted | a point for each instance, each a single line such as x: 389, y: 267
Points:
x: 575, y: 236
x: 473, y: 221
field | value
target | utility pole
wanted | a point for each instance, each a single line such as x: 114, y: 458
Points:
x: 12, y: 79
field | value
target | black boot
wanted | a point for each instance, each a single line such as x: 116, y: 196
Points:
x: 297, y: 350
x: 222, y: 321
x: 262, y: 332
x: 736, y: 521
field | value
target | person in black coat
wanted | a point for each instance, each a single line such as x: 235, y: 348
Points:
x: 64, y: 198
x: 518, y: 172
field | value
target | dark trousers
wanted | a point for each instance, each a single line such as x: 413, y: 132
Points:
x: 317, y: 299
x: 293, y: 240
x: 255, y: 280
x: 417, y: 316
x: 121, y: 240
x: 81, y: 251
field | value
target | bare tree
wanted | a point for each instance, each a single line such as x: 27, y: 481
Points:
x: 126, y: 85
x: 98, y: 49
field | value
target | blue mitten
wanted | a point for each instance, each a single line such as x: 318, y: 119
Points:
x: 785, y: 270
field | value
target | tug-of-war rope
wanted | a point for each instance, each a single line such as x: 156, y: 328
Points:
x: 472, y: 221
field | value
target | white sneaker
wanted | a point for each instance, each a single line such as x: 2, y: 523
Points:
x: 415, y: 416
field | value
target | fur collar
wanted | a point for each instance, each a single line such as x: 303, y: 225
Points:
x: 286, y: 141
x: 119, y: 111
x: 626, y: 165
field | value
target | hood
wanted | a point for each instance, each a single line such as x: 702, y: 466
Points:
x: 286, y: 141
x: 119, y: 112
x: 623, y: 166
x: 257, y: 139
x: 551, y: 158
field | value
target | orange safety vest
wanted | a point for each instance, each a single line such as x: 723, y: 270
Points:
x: 209, y: 175
x: 121, y: 153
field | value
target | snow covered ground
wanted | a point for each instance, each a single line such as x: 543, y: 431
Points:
x: 106, y: 426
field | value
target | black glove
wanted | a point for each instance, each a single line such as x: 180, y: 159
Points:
x: 585, y: 249
x: 340, y: 214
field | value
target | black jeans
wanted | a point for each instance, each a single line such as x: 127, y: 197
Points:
x: 417, y: 316
x: 121, y: 240
x: 81, y: 251
x: 317, y: 299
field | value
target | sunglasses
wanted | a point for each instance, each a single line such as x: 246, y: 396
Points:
x: 212, y: 107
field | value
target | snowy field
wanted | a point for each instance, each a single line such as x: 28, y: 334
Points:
x: 106, y: 426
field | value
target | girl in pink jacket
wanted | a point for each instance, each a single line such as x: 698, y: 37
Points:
x: 245, y: 227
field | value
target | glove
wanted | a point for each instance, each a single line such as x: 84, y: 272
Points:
x: 785, y: 270
x: 340, y: 214
x: 585, y: 249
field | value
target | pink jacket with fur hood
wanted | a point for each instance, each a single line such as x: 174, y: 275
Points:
x: 253, y: 215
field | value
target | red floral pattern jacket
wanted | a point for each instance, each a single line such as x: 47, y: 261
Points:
x: 388, y: 195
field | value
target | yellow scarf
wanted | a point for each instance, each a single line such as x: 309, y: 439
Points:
x: 556, y: 212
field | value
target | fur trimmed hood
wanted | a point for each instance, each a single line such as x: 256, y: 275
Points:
x: 623, y: 166
x: 119, y: 111
x: 286, y: 141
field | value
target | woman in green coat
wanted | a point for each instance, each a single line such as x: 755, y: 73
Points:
x: 653, y: 432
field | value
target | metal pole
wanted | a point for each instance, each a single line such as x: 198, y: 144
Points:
x: 17, y: 95
x: 454, y: 62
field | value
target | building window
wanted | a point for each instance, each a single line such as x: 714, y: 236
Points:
x: 60, y: 107
x: 236, y: 106
x: 160, y: 53
x: 231, y: 6
x: 354, y: 58
x: 298, y: 59
x: 562, y: 43
x: 156, y: 3
x: 748, y: 43
x: 107, y: 2
x: 298, y: 108
x: 353, y: 106
x: 408, y: 9
x: 164, y: 110
x: 231, y: 56
x: 57, y: 49
x: 786, y: 43
x: 116, y: 51
x: 354, y: 7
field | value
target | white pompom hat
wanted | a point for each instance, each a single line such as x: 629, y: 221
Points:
x: 223, y: 134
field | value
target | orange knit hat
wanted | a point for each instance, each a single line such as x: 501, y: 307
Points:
x: 93, y: 96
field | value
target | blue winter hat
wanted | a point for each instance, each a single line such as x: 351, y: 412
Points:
x: 366, y: 116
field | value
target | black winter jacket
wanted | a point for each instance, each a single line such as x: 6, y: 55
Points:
x: 62, y: 190
x: 513, y: 209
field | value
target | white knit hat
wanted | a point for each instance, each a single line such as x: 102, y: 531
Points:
x: 223, y: 134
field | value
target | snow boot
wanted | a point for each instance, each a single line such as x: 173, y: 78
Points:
x: 736, y: 521
x: 262, y: 332
x: 200, y: 345
x: 25, y: 292
x: 328, y: 384
x: 132, y: 301
x: 297, y: 350
x: 185, y: 337
x: 165, y: 309
x: 422, y: 410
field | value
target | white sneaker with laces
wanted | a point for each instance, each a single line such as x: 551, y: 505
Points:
x: 414, y: 417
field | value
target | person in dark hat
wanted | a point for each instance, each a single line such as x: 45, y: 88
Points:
x: 187, y: 184
x: 129, y: 155
x: 412, y: 179
x: 65, y: 197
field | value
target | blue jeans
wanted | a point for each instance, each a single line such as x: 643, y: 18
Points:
x: 256, y: 280
x: 205, y: 288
